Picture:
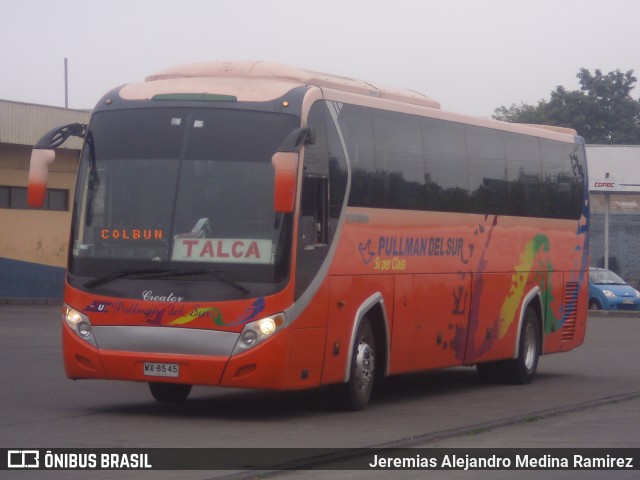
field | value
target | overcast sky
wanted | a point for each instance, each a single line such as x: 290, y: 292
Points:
x: 471, y: 55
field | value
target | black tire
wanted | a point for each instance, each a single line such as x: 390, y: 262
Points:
x: 169, y: 392
x: 356, y: 392
x: 521, y: 370
x: 594, y: 304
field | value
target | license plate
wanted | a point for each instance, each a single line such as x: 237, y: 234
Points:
x: 161, y: 369
x: 627, y: 301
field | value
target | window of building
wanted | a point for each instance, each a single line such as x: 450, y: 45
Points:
x: 13, y: 197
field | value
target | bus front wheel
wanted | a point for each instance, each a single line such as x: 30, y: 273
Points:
x: 356, y: 392
x: 169, y: 392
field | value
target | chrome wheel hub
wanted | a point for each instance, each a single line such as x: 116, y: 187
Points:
x: 530, y: 347
x: 365, y: 362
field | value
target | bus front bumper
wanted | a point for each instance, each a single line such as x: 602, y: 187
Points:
x: 175, y: 355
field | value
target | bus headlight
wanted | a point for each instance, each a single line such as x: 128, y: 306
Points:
x: 267, y: 326
x: 79, y: 323
x: 255, y: 333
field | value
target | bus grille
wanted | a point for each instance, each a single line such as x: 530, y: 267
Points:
x: 570, y: 311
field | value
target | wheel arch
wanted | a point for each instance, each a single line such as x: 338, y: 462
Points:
x: 532, y: 299
x: 374, y: 310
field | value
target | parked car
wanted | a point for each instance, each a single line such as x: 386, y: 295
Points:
x: 607, y: 291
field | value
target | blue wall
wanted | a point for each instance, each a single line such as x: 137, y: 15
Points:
x: 30, y: 280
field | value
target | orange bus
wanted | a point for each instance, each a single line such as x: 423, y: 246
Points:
x: 254, y: 225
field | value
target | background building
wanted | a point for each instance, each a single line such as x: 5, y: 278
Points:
x: 614, y: 179
x: 33, y: 242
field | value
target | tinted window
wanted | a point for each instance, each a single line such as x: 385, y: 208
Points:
x: 399, y: 160
x: 387, y: 159
x: 177, y: 188
x: 524, y: 172
x: 487, y: 170
x: 139, y: 134
x: 451, y: 167
x: 447, y: 180
x: 562, y: 173
x: 324, y: 186
x: 356, y: 124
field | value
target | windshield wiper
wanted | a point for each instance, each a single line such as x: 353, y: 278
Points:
x: 217, y: 274
x: 122, y: 274
x: 163, y: 273
x: 94, y: 180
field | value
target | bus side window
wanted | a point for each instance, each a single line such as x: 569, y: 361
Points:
x: 314, y: 212
x: 324, y: 185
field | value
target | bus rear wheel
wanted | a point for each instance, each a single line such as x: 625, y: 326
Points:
x: 356, y: 392
x: 169, y: 392
x: 521, y: 370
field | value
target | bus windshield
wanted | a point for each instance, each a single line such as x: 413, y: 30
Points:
x: 181, y: 189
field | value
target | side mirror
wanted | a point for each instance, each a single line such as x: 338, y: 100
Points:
x: 38, y: 173
x: 43, y: 155
x: 285, y: 162
x: 286, y: 177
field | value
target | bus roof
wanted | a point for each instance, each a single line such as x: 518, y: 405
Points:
x: 173, y: 77
x: 260, y: 81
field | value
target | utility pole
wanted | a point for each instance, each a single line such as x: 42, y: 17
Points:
x: 66, y: 85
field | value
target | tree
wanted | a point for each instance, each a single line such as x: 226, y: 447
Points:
x: 602, y: 111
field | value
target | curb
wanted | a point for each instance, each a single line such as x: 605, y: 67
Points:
x: 613, y: 313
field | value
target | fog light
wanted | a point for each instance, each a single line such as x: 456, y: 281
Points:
x: 83, y: 329
x: 249, y: 337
